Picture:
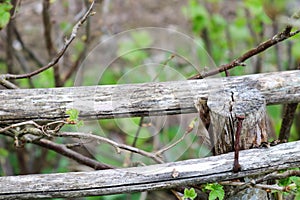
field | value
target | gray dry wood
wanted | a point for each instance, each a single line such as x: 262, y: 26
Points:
x: 153, y: 177
x: 99, y: 102
x: 225, y: 109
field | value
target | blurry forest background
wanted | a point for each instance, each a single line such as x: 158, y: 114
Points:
x: 225, y: 29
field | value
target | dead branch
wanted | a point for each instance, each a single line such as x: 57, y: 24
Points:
x: 285, y: 34
x: 128, y: 100
x: 60, y: 53
x: 116, y: 145
x: 154, y: 177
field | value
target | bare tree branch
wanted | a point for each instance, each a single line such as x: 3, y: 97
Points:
x: 30, y: 53
x: 276, y: 176
x: 58, y: 148
x: 63, y: 150
x: 117, y: 146
x: 48, y: 40
x: 82, y: 54
x: 59, y: 54
x: 287, y: 121
x: 285, y: 34
x: 154, y: 177
x: 260, y: 186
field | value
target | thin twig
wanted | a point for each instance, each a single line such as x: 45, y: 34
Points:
x: 268, y: 177
x: 285, y: 34
x: 63, y: 150
x: 19, y: 124
x: 24, y: 65
x: 137, y: 133
x: 276, y: 176
x: 9, y: 45
x: 260, y: 186
x: 7, y: 84
x: 276, y: 48
x: 43, y: 130
x: 48, y: 40
x: 117, y: 146
x: 30, y: 53
x: 29, y: 137
x: 59, y: 54
x: 189, y: 129
x: 164, y: 64
x: 82, y: 54
x: 58, y: 148
x: 48, y: 28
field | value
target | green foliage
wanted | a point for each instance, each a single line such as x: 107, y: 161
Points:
x: 73, y: 114
x: 132, y: 49
x: 293, y: 185
x: 189, y: 194
x: 213, y: 26
x: 296, y: 180
x: 275, y: 112
x: 210, y: 26
x: 73, y: 117
x: 256, y: 8
x: 216, y: 191
x: 198, y: 15
x: 5, y: 7
x: 44, y: 79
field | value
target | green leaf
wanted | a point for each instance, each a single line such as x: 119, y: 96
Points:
x: 73, y: 117
x: 296, y: 180
x: 73, y: 114
x: 198, y: 14
x: 216, y: 191
x: 5, y: 7
x: 189, y: 193
x: 284, y: 181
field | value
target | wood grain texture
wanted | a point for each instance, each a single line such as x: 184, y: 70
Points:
x: 99, y: 102
x: 226, y: 107
x: 154, y: 177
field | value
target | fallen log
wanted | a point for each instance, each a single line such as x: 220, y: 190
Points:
x: 129, y: 100
x: 153, y: 177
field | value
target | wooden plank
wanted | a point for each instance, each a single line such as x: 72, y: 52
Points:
x: 164, y: 98
x: 154, y: 177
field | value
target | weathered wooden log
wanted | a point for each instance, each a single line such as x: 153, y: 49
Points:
x: 237, y: 121
x: 99, y: 102
x: 226, y: 107
x: 154, y: 177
